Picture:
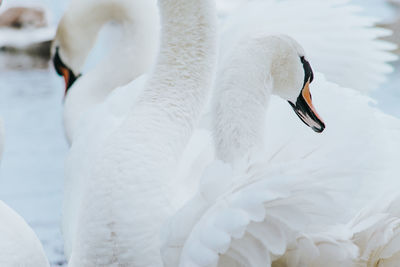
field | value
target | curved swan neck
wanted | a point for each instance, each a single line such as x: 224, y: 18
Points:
x: 243, y: 89
x: 81, y: 23
x: 132, y: 55
x: 178, y: 87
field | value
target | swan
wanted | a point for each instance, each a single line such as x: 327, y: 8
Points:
x: 118, y: 110
x: 133, y: 54
x: 331, y: 50
x: 83, y: 95
x: 114, y: 206
x: 269, y: 168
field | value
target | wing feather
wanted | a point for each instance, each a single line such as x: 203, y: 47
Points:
x: 340, y: 42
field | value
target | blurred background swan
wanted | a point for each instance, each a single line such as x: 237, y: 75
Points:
x: 32, y: 168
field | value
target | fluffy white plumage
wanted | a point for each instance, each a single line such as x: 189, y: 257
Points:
x: 376, y: 231
x: 339, y: 41
x: 117, y: 198
x: 222, y: 224
x: 239, y: 213
x: 250, y: 219
x: 347, y: 158
x: 345, y: 48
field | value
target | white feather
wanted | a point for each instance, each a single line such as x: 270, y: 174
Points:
x: 340, y: 42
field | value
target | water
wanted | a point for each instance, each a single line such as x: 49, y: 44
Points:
x: 32, y: 166
x: 388, y: 96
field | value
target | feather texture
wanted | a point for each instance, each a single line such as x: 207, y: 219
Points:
x: 283, y: 208
x: 340, y: 42
x: 376, y: 231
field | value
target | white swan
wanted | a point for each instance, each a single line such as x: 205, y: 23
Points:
x: 114, y: 206
x: 132, y: 55
x: 331, y: 44
x: 90, y: 90
x: 225, y: 223
x: 118, y: 111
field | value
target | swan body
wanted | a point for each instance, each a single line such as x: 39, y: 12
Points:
x: 120, y: 199
x: 132, y: 56
x: 19, y: 245
x: 264, y: 156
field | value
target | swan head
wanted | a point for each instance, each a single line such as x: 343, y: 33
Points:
x: 71, y: 47
x: 292, y: 75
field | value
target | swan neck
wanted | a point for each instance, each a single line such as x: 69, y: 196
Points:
x: 82, y: 22
x: 179, y: 84
x: 131, y: 56
x: 243, y: 90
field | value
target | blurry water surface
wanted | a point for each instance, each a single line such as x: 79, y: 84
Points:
x: 32, y: 165
x: 388, y: 96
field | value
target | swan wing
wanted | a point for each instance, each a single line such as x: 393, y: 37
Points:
x: 340, y: 42
x: 359, y: 140
x: 376, y: 231
x: 252, y: 218
x: 198, y: 154
x: 354, y: 158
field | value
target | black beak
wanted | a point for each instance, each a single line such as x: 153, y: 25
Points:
x: 64, y: 71
x: 306, y: 111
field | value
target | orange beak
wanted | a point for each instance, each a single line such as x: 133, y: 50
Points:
x: 306, y: 111
x: 64, y: 71
x: 66, y: 75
